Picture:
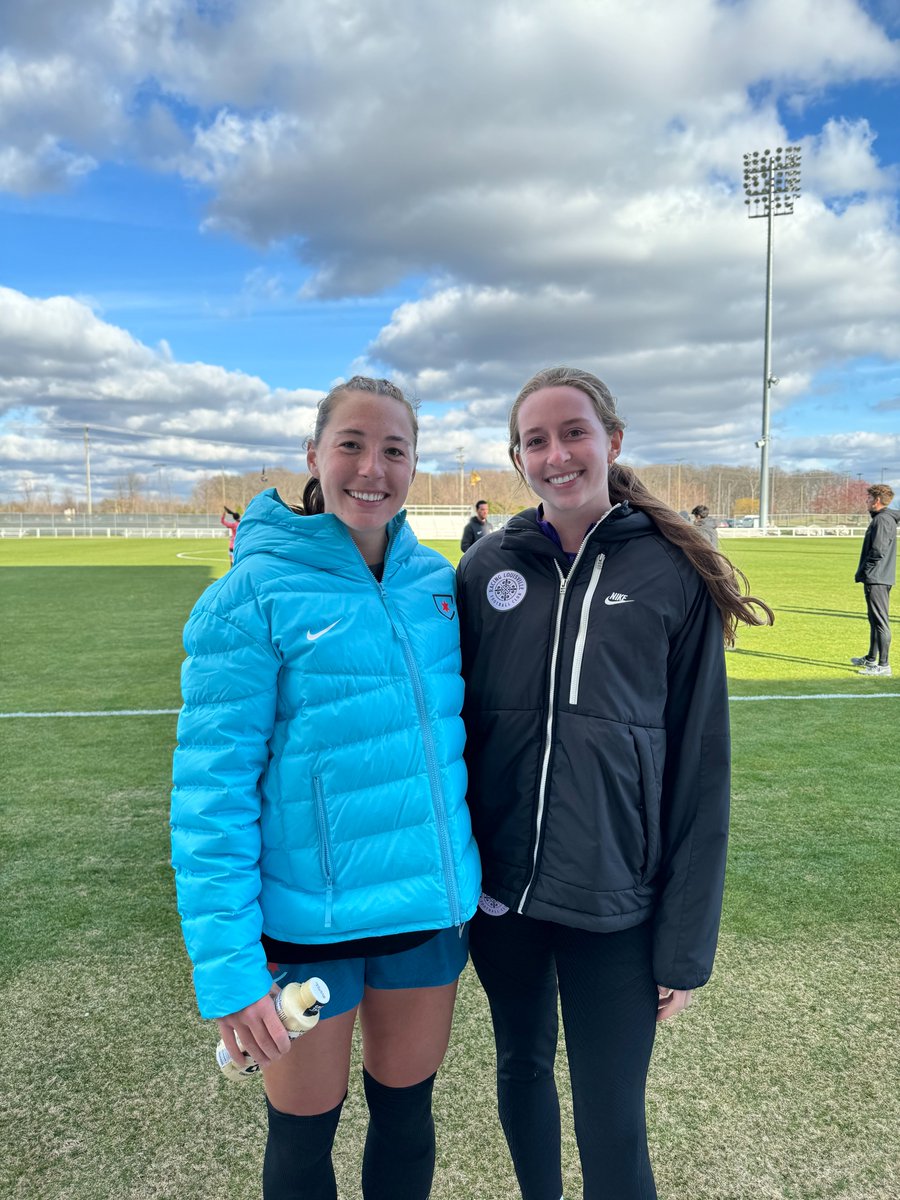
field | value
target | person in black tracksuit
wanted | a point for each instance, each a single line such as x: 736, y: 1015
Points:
x: 877, y: 572
x: 476, y: 527
x: 598, y: 753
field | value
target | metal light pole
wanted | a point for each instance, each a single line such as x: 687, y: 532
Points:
x: 461, y: 459
x: 771, y: 182
x: 678, y: 462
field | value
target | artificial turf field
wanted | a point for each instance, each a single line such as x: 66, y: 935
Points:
x: 780, y: 1081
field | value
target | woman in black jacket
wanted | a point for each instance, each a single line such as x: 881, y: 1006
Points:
x: 598, y: 752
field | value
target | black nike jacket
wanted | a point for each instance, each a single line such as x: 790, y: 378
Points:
x: 597, y: 734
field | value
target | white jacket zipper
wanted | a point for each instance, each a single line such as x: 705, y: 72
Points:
x: 583, y: 628
x: 548, y: 743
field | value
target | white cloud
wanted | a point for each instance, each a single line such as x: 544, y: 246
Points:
x: 46, y: 167
x: 63, y: 368
x: 565, y: 179
x: 851, y: 451
x: 842, y: 160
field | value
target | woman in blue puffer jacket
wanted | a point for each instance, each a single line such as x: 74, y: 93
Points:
x: 319, y: 824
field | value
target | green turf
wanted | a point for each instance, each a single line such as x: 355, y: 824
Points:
x: 778, y: 1083
x: 115, y: 552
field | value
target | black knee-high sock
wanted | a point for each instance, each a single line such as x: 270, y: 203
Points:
x: 297, y: 1164
x: 398, y: 1162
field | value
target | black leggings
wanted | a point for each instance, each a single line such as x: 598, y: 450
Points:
x: 608, y: 998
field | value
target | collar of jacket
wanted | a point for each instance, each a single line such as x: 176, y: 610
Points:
x: 623, y: 523
x: 321, y: 541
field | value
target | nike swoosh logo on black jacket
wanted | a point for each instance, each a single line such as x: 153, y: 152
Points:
x: 597, y: 736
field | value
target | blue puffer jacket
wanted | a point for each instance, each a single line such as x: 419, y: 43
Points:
x: 319, y: 782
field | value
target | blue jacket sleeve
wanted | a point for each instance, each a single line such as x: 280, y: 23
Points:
x: 229, y: 685
x: 695, y: 800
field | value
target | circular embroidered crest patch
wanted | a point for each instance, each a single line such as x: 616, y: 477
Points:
x: 506, y: 589
x: 493, y: 908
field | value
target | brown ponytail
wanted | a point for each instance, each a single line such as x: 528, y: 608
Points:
x: 313, y: 500
x: 727, y: 584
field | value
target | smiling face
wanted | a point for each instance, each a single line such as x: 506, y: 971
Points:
x: 365, y: 460
x: 565, y: 452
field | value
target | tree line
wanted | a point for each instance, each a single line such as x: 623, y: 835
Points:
x: 726, y: 491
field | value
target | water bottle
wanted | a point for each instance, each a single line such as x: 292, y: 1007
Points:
x: 297, y: 1006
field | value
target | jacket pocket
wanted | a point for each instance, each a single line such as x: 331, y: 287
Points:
x: 323, y: 836
x: 650, y: 800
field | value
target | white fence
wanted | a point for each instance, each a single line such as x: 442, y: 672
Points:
x: 430, y: 523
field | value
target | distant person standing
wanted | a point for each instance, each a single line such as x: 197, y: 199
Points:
x: 476, y: 527
x: 704, y: 524
x: 877, y: 572
x: 230, y: 525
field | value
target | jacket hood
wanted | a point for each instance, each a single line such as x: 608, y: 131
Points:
x: 892, y: 513
x: 621, y: 524
x: 270, y: 526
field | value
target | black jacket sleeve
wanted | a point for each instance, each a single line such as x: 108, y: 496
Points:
x: 878, y: 548
x: 695, y: 800
x: 468, y: 537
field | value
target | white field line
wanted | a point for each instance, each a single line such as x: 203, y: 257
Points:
x: 115, y: 712
x: 204, y: 556
x: 827, y: 696
x: 172, y: 712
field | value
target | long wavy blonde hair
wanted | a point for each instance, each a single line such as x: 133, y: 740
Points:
x: 727, y: 584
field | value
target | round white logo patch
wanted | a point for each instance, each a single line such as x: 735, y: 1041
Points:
x: 493, y: 908
x: 506, y: 589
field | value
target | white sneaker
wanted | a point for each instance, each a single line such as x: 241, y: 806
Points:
x: 874, y: 669
x: 863, y: 662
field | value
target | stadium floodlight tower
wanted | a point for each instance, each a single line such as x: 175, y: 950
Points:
x: 771, y: 182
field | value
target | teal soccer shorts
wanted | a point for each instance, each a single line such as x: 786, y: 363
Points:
x: 437, y: 962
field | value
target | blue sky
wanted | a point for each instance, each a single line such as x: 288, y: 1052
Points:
x: 208, y: 215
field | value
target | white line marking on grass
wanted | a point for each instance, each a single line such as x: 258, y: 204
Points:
x: 827, y: 696
x: 203, y: 556
x: 116, y: 712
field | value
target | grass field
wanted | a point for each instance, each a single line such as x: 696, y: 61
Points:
x: 779, y: 1083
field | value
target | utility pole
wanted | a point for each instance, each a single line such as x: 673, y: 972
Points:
x: 160, y: 467
x: 771, y: 182
x: 461, y: 459
x: 87, y: 471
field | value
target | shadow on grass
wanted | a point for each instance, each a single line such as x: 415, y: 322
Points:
x: 828, y: 612
x: 794, y: 658
x: 822, y: 612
